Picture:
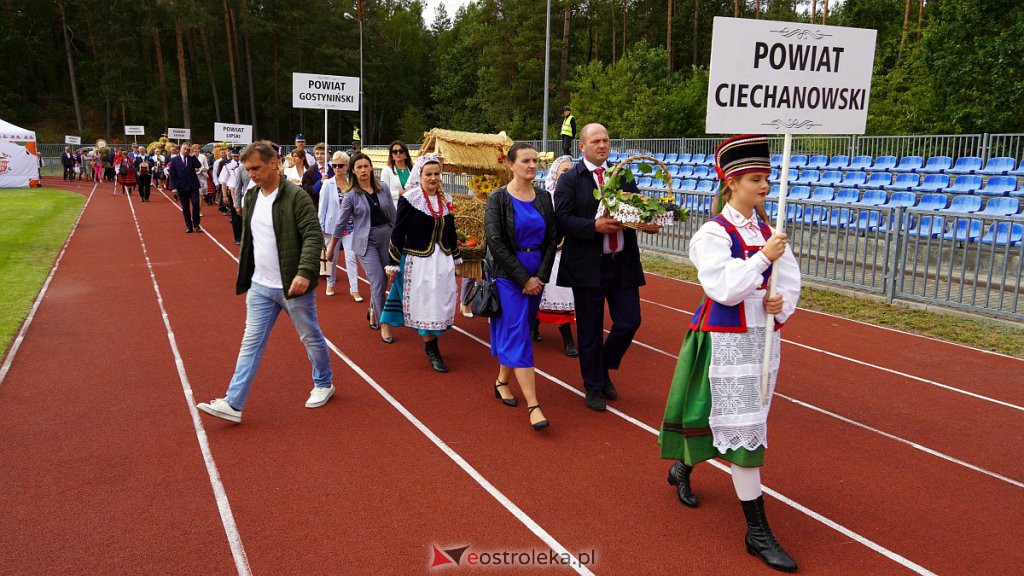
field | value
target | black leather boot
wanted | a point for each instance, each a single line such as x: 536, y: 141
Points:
x: 679, y: 476
x: 760, y: 540
x: 434, y: 355
x: 535, y: 330
x: 567, y: 341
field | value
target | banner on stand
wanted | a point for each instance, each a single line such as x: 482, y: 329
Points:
x: 233, y: 133
x: 135, y: 130
x: 788, y: 78
x: 179, y: 133
x: 76, y: 140
x: 325, y: 92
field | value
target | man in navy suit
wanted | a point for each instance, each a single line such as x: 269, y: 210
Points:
x: 184, y: 182
x: 600, y: 262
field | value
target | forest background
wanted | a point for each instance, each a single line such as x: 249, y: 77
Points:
x: 640, y: 66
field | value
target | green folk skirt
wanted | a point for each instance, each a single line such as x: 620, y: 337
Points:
x: 685, y: 433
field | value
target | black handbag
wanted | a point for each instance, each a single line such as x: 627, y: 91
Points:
x: 482, y: 296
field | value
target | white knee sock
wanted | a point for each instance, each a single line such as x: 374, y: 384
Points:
x: 747, y: 482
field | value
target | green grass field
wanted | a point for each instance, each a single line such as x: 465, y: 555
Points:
x: 979, y: 333
x: 35, y: 224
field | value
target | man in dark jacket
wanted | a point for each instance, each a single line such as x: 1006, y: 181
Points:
x: 278, y: 267
x: 67, y: 160
x: 184, y: 184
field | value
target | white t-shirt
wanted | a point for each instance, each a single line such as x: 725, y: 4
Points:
x: 264, y: 242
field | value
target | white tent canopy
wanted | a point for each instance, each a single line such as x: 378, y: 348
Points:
x: 19, y: 166
x: 14, y: 133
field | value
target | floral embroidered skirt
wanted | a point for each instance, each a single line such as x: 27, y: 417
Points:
x: 714, y: 405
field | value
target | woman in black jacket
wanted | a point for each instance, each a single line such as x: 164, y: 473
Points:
x: 521, y: 241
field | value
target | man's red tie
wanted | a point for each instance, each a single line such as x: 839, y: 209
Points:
x: 613, y: 238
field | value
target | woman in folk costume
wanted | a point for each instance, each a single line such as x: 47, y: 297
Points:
x: 714, y: 408
x: 556, y: 304
x: 425, y: 259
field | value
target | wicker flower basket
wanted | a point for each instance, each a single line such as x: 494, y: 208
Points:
x: 629, y: 216
x: 469, y: 220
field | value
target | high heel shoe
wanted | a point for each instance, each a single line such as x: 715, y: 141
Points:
x: 540, y: 425
x: 506, y: 401
x: 372, y: 320
x: 386, y: 339
x: 355, y: 296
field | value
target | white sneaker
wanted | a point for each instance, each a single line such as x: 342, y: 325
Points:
x: 221, y: 409
x: 318, y: 397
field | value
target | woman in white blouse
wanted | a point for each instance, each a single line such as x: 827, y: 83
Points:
x: 331, y: 194
x: 714, y: 408
x: 396, y: 174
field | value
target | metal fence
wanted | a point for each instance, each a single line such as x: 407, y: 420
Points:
x: 967, y: 261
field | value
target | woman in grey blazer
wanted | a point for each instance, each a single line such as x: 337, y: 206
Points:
x: 373, y: 217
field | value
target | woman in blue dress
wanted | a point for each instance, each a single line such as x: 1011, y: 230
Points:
x: 521, y: 241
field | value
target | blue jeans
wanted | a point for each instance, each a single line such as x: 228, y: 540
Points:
x: 263, y: 305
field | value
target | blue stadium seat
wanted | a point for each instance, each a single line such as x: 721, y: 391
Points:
x: 709, y: 160
x: 968, y: 184
x: 840, y: 218
x: 823, y: 194
x: 966, y: 165
x: 933, y: 183
x: 1019, y: 193
x: 999, y: 186
x: 645, y: 182
x: 659, y: 184
x: 932, y: 202
x: 1002, y: 233
x: 671, y: 158
x: 689, y: 185
x: 658, y: 156
x: 964, y: 205
x: 677, y: 183
x: 776, y: 160
x: 830, y: 178
x: 1001, y: 207
x: 997, y: 166
x: 854, y: 179
x: 697, y: 159
x: 937, y: 164
x: 1019, y: 171
x: 685, y: 171
x: 906, y: 181
x: 701, y: 173
x: 817, y: 162
x: 773, y: 192
x: 929, y: 226
x: 872, y: 198
x: 965, y: 230
x: 909, y: 164
x: 797, y: 161
x: 860, y: 163
x: 705, y: 186
x: 808, y: 177
x: 799, y: 193
x: 882, y: 164
x: 706, y: 203
x: 840, y: 162
x: 814, y: 214
x: 901, y: 200
x: 773, y: 176
x: 868, y: 220
x: 878, y: 180
x: 847, y: 196
x: 886, y: 225
x: 685, y: 159
x: 673, y: 170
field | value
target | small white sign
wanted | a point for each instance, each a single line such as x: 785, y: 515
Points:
x: 233, y: 133
x: 788, y: 78
x: 76, y: 140
x: 135, y: 130
x: 325, y: 92
x: 179, y: 133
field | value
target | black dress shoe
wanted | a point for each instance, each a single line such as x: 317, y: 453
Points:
x: 595, y: 402
x: 188, y: 230
x: 760, y: 541
x: 540, y: 424
x: 609, y: 391
x: 199, y: 228
x: 506, y: 401
x: 679, y: 476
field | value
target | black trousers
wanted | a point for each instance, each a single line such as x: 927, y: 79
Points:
x: 189, y: 207
x: 69, y: 173
x: 597, y: 353
x: 567, y: 145
x: 144, y: 188
x: 236, y: 221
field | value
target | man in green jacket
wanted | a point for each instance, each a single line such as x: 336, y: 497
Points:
x: 278, y: 267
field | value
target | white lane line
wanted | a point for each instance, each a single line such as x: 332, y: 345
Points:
x: 495, y: 493
x: 777, y: 495
x: 924, y: 449
x: 227, y: 518
x: 875, y: 366
x: 42, y: 292
x: 870, y: 325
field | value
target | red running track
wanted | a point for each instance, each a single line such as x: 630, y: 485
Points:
x: 111, y: 478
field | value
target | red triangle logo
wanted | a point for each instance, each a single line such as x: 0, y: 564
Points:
x: 440, y: 559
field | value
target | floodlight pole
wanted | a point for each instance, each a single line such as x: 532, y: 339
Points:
x: 547, y: 74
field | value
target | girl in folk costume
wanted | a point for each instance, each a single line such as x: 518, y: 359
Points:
x: 556, y: 304
x: 424, y: 259
x: 125, y: 171
x: 714, y: 408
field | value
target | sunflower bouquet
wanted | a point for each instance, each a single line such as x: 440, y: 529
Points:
x: 481, y: 186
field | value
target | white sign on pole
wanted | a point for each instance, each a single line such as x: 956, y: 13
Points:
x: 788, y: 78
x: 135, y: 130
x: 325, y: 92
x: 233, y: 133
x: 179, y: 133
x: 76, y: 140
